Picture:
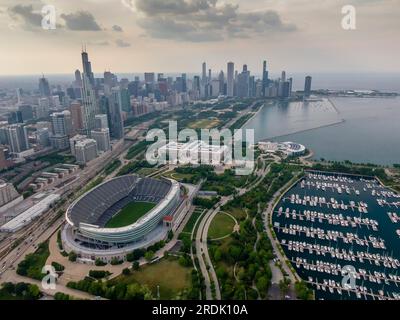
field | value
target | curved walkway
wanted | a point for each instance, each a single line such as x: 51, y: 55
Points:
x: 234, y: 229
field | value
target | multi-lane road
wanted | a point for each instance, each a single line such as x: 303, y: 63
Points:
x: 14, y: 248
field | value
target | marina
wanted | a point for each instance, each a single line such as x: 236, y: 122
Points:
x: 330, y: 223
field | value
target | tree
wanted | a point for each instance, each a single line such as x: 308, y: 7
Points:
x: 72, y: 256
x: 135, y: 265
x: 149, y: 255
x: 284, y: 286
x: 33, y: 292
x: 126, y: 272
x: 98, y: 262
x: 302, y: 291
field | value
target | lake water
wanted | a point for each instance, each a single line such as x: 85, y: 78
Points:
x: 356, y: 129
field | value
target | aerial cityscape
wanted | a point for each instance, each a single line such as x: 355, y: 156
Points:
x: 270, y: 173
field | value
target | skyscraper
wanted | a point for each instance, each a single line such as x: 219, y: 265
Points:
x: 61, y: 123
x: 89, y: 100
x: 62, y: 129
x: 230, y: 79
x: 307, y: 86
x: 44, y: 87
x: 85, y: 150
x: 184, y: 82
x: 265, y: 81
x: 26, y: 111
x: 115, y: 114
x: 17, y: 137
x: 78, y: 79
x: 101, y: 121
x: 87, y: 68
x: 76, y: 116
x: 204, y: 74
x: 149, y: 77
x: 102, y: 137
x: 283, y: 76
x: 243, y: 83
x: 221, y: 79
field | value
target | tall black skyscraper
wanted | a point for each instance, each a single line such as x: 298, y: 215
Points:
x: 307, y: 86
x: 89, y: 100
x: 265, y: 81
x: 87, y: 67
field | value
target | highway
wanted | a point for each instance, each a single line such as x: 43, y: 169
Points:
x: 14, y: 248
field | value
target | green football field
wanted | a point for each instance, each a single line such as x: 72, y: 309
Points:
x: 130, y: 214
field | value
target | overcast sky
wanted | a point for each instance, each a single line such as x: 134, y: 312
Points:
x: 178, y: 35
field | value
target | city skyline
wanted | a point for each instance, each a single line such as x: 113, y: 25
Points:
x: 298, y: 35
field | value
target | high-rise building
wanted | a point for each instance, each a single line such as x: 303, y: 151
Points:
x: 283, y: 76
x: 19, y: 95
x: 90, y: 108
x: 61, y: 123
x: 102, y: 137
x: 184, y: 82
x: 196, y: 83
x: 85, y: 150
x: 43, y: 137
x: 62, y: 129
x: 265, y: 81
x: 59, y: 142
x: 204, y: 74
x: 230, y: 79
x: 115, y: 120
x: 87, y: 68
x: 44, y: 87
x: 149, y: 77
x: 290, y: 80
x: 125, y: 100
x: 215, y: 88
x: 101, y: 121
x: 26, y: 112
x: 77, y: 112
x: 15, y: 117
x: 74, y: 140
x: 243, y: 83
x: 110, y: 79
x: 307, y: 86
x: 17, y: 137
x: 221, y: 79
x: 133, y: 88
x: 78, y: 79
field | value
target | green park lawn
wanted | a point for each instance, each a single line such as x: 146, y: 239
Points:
x: 168, y: 274
x: 204, y: 124
x: 130, y: 214
x: 221, y: 226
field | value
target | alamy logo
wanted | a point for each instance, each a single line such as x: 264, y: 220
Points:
x: 349, y: 277
x: 349, y: 19
x: 49, y: 17
x: 49, y: 280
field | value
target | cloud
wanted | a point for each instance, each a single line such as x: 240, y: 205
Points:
x: 205, y: 20
x: 80, y: 21
x: 117, y: 28
x: 99, y: 43
x: 26, y: 13
x: 122, y: 44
